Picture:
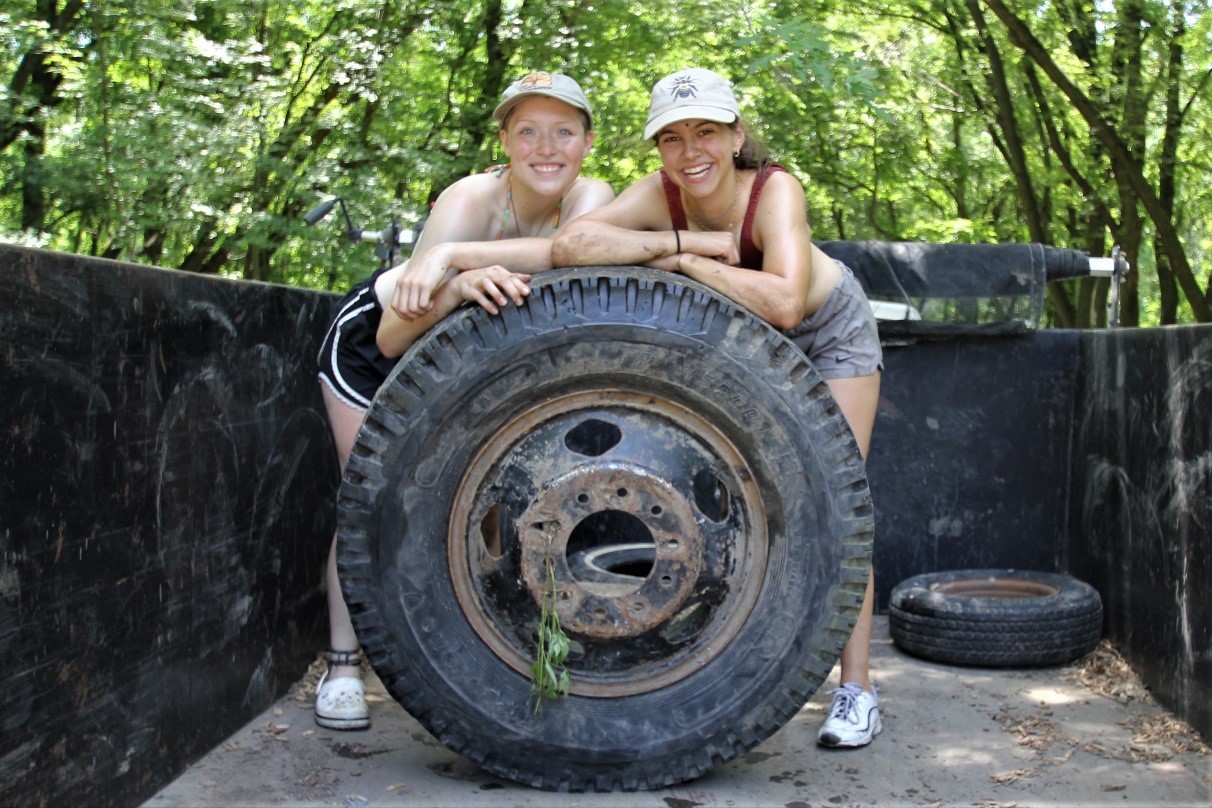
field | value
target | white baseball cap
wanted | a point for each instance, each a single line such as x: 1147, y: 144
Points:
x: 553, y: 85
x: 694, y: 93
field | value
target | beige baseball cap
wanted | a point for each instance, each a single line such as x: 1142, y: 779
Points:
x: 695, y: 93
x: 554, y: 85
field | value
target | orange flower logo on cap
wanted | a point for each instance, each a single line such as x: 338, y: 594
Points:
x: 536, y: 81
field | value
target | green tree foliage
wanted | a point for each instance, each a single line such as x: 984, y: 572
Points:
x: 194, y: 135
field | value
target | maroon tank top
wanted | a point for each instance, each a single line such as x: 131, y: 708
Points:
x: 751, y: 256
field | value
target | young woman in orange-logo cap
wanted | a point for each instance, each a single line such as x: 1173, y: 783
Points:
x: 484, y: 236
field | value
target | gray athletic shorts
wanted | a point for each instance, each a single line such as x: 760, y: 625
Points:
x: 841, y: 338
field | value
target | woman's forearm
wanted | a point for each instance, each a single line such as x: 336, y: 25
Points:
x: 590, y: 242
x: 396, y: 335
x: 768, y: 296
x: 516, y: 254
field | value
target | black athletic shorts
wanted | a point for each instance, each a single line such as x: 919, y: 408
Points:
x: 350, y: 361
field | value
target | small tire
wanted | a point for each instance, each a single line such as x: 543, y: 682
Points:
x: 995, y: 618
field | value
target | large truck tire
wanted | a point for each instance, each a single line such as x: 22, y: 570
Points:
x: 618, y: 406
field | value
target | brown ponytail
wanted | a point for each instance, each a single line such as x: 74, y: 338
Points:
x: 752, y: 154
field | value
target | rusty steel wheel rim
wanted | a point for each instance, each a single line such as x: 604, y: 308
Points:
x: 615, y: 464
x: 996, y: 587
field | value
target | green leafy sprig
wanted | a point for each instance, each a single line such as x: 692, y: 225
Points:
x: 549, y: 677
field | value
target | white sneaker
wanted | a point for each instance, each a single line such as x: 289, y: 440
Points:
x: 854, y: 717
x: 341, y: 703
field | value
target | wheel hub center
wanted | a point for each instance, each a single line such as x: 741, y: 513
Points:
x: 609, y: 610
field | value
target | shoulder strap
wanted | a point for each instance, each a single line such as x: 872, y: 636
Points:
x: 751, y: 256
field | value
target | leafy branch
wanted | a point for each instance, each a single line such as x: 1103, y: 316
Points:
x: 549, y: 677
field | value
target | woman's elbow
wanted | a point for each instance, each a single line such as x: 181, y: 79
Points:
x: 386, y: 347
x: 786, y: 316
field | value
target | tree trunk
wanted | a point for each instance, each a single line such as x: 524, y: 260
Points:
x: 1120, y: 154
x: 1129, y: 101
x: 1167, y: 161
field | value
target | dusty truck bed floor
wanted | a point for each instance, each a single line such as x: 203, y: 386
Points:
x: 1083, y: 735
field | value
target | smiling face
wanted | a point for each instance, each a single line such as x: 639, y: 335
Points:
x: 546, y: 142
x: 697, y: 154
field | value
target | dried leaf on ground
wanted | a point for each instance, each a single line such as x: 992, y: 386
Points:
x: 1013, y: 776
x: 1033, y: 732
x: 1104, y: 672
x: 1156, y: 735
x: 1063, y: 757
x: 304, y: 690
x: 1165, y: 730
x: 1130, y: 753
